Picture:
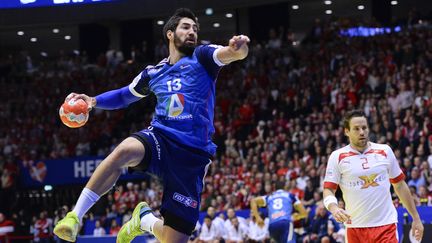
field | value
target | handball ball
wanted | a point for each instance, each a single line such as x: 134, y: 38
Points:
x: 74, y: 113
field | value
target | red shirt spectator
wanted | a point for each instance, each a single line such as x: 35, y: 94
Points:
x: 297, y: 191
x: 115, y: 228
x: 42, y: 226
x: 6, y: 226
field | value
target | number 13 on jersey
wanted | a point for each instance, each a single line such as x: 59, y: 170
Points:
x: 174, y: 85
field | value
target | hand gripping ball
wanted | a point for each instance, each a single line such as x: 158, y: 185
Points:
x: 74, y: 113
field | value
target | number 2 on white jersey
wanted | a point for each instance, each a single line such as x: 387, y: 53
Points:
x: 365, y: 164
x: 174, y: 85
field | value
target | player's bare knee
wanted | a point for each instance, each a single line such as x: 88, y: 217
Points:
x: 129, y: 152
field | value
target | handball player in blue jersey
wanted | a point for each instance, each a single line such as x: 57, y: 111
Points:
x: 177, y: 147
x: 281, y: 205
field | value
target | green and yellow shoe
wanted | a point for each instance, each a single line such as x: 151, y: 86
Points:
x: 67, y: 228
x: 132, y: 228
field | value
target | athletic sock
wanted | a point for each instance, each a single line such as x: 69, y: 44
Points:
x: 85, y: 201
x: 148, y: 221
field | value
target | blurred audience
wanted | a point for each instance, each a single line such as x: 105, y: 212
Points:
x: 277, y: 119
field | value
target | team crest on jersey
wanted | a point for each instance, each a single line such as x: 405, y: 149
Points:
x: 187, y: 201
x: 175, y: 105
x: 329, y: 173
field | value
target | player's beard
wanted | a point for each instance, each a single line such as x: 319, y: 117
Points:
x: 186, y: 48
x: 362, y: 143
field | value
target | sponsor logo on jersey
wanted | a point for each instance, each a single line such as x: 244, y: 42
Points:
x: 187, y: 201
x: 366, y: 181
x: 369, y: 181
x: 346, y: 155
x: 158, y: 149
x: 178, y: 118
x: 329, y: 173
x: 175, y: 105
x: 377, y: 151
x: 278, y: 214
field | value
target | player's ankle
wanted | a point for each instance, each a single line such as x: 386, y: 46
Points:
x: 85, y: 201
x: 148, y: 222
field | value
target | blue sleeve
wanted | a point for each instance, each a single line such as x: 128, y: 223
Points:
x: 266, y: 200
x: 121, y: 98
x: 293, y: 198
x: 206, y: 55
x: 116, y: 99
x: 140, y: 85
x: 336, y: 225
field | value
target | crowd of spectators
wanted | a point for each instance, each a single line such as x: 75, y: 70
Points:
x: 278, y: 117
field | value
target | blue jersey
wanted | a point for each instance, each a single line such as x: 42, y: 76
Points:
x: 185, y: 95
x: 280, y: 205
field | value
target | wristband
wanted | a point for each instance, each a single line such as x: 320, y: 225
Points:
x: 329, y: 200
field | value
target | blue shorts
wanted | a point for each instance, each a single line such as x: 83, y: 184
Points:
x: 182, y: 170
x: 282, y: 231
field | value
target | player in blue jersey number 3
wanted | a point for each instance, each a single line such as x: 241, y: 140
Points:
x: 177, y: 147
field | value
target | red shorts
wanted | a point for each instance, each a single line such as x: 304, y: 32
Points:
x: 379, y: 234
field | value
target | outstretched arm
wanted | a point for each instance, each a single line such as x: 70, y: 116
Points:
x: 115, y: 99
x: 403, y: 192
x: 111, y: 100
x: 237, y: 49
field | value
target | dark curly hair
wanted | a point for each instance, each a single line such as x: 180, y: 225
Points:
x: 173, y: 22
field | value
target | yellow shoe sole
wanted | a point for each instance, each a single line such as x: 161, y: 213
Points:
x: 64, y: 233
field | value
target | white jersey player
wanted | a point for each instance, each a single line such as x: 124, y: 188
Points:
x: 364, y: 171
